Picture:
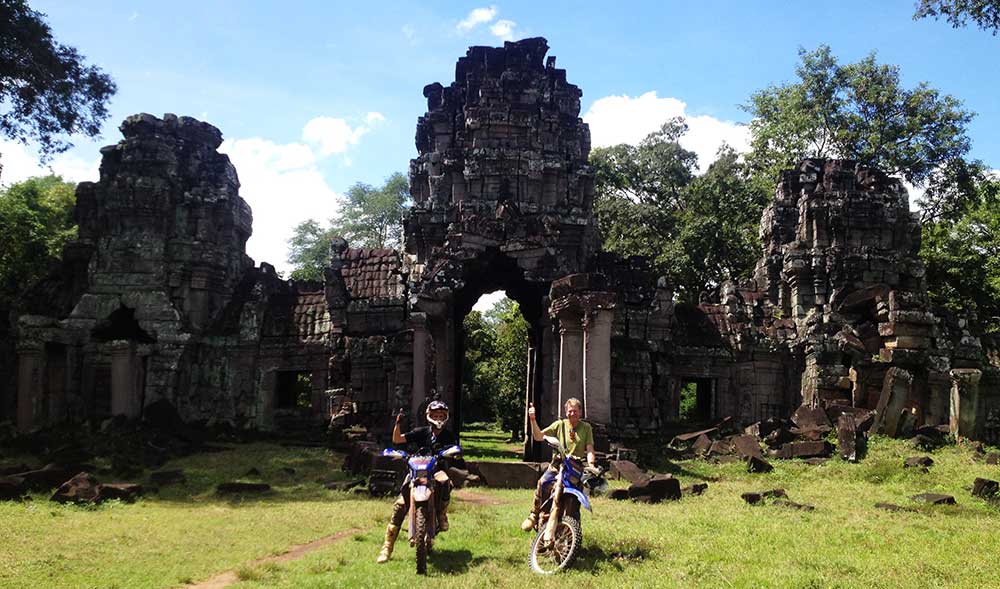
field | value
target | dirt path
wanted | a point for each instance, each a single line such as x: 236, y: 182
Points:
x: 229, y: 577
x: 477, y: 498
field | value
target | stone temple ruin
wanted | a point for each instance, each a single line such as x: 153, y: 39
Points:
x: 157, y: 299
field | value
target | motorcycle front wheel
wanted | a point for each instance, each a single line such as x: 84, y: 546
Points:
x: 566, y: 542
x: 421, y: 517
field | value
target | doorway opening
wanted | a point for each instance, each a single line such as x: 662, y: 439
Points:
x: 695, y: 400
x: 293, y: 390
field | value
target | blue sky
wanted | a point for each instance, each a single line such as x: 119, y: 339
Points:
x: 314, y: 96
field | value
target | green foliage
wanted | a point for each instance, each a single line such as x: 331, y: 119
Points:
x: 689, y: 401
x: 46, y: 89
x: 856, y: 111
x: 495, y: 366
x: 697, y: 230
x: 369, y: 217
x: 962, y: 255
x: 36, y: 219
x: 985, y: 13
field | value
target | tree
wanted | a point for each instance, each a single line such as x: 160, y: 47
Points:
x: 508, y: 367
x: 36, y: 220
x: 857, y: 111
x: 368, y: 217
x: 46, y: 89
x: 962, y: 256
x: 697, y: 230
x: 985, y: 13
x: 479, y: 386
x: 373, y: 217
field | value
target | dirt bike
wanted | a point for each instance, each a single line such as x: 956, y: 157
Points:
x: 423, y: 508
x: 558, y: 534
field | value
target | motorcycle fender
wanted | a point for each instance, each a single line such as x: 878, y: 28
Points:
x: 579, y: 495
x: 421, y: 493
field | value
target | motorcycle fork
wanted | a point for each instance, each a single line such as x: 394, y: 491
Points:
x: 555, y: 511
x: 431, y: 519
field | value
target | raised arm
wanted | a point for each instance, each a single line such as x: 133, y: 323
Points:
x: 397, y: 434
x: 536, y: 433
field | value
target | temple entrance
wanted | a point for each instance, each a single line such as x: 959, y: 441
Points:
x: 695, y: 400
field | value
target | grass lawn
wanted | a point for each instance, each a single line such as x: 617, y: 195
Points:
x: 186, y: 533
x: 488, y: 442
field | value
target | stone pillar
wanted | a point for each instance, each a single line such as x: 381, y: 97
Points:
x: 29, y: 387
x: 895, y: 393
x: 570, y: 360
x: 964, y: 412
x: 597, y: 366
x: 124, y: 396
x: 420, y: 351
x: 938, y: 398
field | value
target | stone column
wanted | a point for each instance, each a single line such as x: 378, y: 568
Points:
x: 597, y: 366
x: 964, y: 402
x: 420, y: 351
x: 896, y: 387
x: 570, y: 360
x: 29, y: 387
x: 124, y: 397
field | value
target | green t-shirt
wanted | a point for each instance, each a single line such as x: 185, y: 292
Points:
x: 576, y: 444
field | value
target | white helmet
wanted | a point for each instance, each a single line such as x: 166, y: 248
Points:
x: 437, y: 406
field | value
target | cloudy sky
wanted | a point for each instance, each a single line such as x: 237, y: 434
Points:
x: 312, y: 97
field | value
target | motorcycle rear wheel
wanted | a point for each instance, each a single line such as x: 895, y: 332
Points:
x: 566, y: 542
x: 422, y: 544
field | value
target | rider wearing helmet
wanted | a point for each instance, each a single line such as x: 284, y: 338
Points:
x: 428, y: 439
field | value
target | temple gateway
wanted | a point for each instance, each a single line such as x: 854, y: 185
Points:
x: 157, y: 300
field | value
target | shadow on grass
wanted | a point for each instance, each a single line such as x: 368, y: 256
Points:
x: 451, y: 562
x: 598, y: 559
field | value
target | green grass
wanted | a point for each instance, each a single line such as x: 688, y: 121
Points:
x: 187, y: 533
x: 488, y: 442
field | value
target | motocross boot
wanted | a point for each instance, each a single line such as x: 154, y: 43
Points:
x: 443, y: 517
x: 529, y: 522
x: 391, y: 533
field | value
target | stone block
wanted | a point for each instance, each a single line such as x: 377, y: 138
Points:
x: 805, y: 450
x: 82, y: 488
x: 241, y: 488
x: 658, y: 488
x: 624, y: 469
x: 985, y: 488
x: 747, y: 446
x: 507, y: 475
x: 757, y: 464
x: 757, y: 497
x: 934, y: 499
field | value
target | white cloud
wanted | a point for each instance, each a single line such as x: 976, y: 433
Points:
x: 476, y: 17
x: 331, y: 135
x: 284, y: 187
x: 503, y: 29
x: 488, y: 301
x: 624, y: 119
x: 21, y: 162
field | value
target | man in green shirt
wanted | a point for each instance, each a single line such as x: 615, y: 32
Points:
x: 578, y: 438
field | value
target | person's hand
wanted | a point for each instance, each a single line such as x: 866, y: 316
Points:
x: 531, y: 411
x: 398, y: 417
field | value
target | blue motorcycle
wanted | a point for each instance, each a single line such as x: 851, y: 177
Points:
x: 423, y: 508
x: 558, y: 531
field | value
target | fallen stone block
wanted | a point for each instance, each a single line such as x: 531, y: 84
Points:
x: 701, y: 444
x: 625, y: 469
x: 12, y: 488
x: 805, y: 450
x: 682, y: 440
x: 253, y: 472
x: 506, y: 475
x: 239, y: 488
x: 8, y: 469
x: 778, y: 437
x: 918, y: 462
x: 755, y: 497
x: 762, y: 429
x: 727, y: 459
x: 758, y: 464
x: 747, y: 446
x: 658, y: 488
x: 934, y: 499
x: 167, y: 477
x: 985, y: 488
x: 695, y: 489
x: 127, y: 492
x: 847, y: 437
x: 813, y: 434
x: 720, y: 448
x: 47, y: 477
x: 82, y: 488
x: 619, y: 494
x: 806, y: 417
x: 993, y: 459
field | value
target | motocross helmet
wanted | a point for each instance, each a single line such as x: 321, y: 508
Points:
x: 437, y: 406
